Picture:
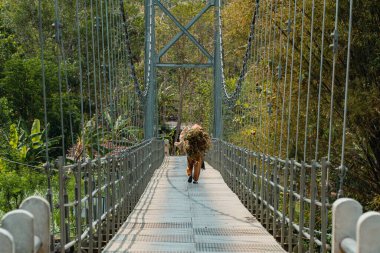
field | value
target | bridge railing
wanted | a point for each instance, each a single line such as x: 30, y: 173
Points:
x: 287, y: 197
x: 353, y: 231
x: 26, y: 229
x: 95, y: 197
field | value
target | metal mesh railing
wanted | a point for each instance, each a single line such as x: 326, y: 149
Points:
x: 97, y: 196
x: 284, y: 195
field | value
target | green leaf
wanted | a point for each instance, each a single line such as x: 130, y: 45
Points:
x: 23, y: 151
x: 108, y: 118
x: 36, y: 131
x: 13, y: 136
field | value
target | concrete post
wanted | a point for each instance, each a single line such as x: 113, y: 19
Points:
x: 6, y: 242
x: 367, y: 232
x: 20, y: 224
x: 346, y: 213
x: 40, y: 209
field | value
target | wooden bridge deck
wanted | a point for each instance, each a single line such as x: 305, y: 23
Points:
x: 175, y: 216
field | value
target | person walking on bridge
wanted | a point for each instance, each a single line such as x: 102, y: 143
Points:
x: 196, y: 142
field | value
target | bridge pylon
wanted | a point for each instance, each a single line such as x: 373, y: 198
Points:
x: 153, y: 60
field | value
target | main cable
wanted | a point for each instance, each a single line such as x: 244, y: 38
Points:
x: 230, y: 99
x: 80, y: 78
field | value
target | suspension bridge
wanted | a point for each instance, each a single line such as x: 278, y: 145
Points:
x: 279, y: 132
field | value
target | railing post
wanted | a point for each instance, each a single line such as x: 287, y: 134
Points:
x: 119, y: 190
x: 367, y: 232
x: 78, y: 206
x: 20, y: 224
x: 257, y: 183
x: 6, y: 242
x: 27, y: 229
x: 284, y: 203
x: 108, y: 196
x: 62, y: 212
x: 324, y: 200
x: 268, y: 192
x: 275, y: 197
x: 99, y: 204
x: 262, y: 188
x: 302, y: 204
x: 346, y: 213
x: 313, y: 196
x: 90, y: 206
x: 40, y: 209
x: 124, y: 189
x: 113, y: 195
x: 66, y: 213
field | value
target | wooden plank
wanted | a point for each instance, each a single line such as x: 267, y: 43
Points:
x: 176, y: 216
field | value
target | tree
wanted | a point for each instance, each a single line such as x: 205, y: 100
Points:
x: 21, y: 156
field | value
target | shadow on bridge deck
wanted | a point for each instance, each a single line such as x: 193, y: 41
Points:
x: 175, y: 216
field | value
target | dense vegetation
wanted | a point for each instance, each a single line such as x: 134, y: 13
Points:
x: 185, y: 94
x: 22, y: 117
x: 255, y: 121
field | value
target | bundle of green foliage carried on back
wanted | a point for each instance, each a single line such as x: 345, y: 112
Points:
x: 197, y: 143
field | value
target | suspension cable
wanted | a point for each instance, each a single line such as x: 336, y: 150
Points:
x: 141, y: 94
x: 334, y: 47
x: 88, y: 75
x: 269, y: 90
x: 279, y: 69
x: 104, y: 62
x: 58, y: 38
x: 49, y: 193
x: 80, y: 77
x: 288, y: 30
x: 94, y: 75
x: 260, y: 50
x: 99, y: 23
x: 343, y: 167
x: 231, y: 98
x: 115, y: 64
x: 42, y: 49
x: 300, y: 78
x: 67, y: 86
x: 273, y: 8
x: 309, y: 81
x: 294, y: 24
x: 110, y: 78
x: 320, y: 81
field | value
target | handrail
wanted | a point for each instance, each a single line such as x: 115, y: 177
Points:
x: 106, y: 190
x: 278, y: 192
x: 353, y: 231
x: 26, y: 228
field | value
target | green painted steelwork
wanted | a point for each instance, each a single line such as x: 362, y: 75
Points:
x: 187, y: 27
x: 153, y: 61
x: 184, y: 30
x: 185, y: 65
x: 218, y: 78
x: 150, y: 70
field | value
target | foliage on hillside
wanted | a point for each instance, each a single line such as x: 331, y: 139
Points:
x: 255, y: 121
x: 186, y: 94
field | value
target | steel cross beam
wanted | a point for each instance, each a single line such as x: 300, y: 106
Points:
x: 153, y: 61
x: 187, y: 27
x: 184, y: 30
